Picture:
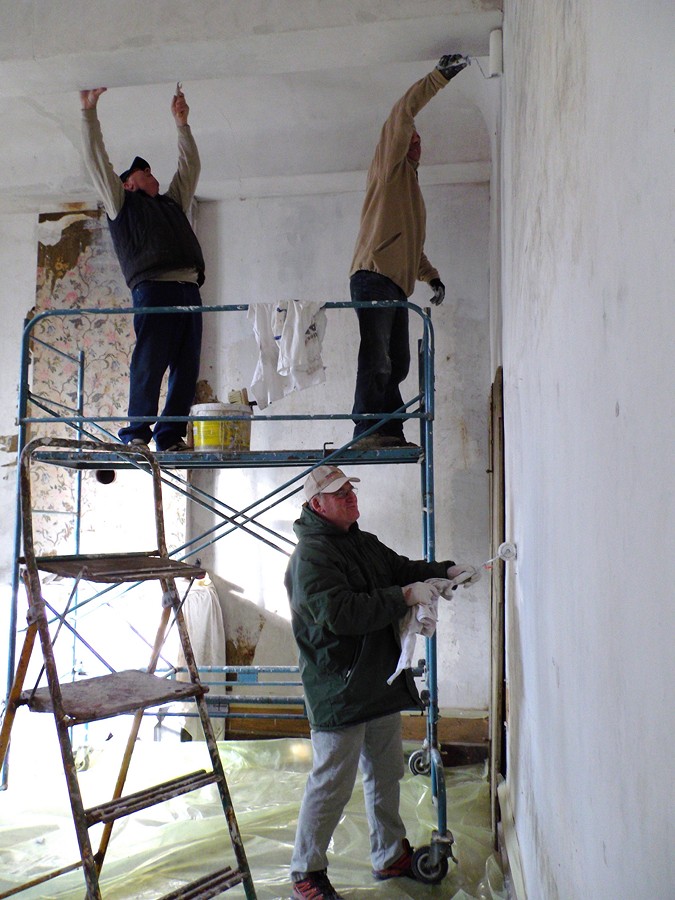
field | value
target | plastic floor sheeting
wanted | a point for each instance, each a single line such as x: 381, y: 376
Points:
x: 155, y: 852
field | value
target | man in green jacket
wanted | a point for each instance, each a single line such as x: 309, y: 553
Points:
x: 389, y: 258
x: 348, y: 593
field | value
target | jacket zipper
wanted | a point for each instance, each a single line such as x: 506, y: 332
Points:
x: 352, y: 665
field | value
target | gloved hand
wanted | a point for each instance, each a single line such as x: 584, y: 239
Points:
x: 465, y: 575
x: 439, y: 291
x: 444, y: 586
x: 451, y: 65
x: 419, y: 592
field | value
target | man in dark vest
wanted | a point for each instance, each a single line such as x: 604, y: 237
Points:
x: 163, y: 266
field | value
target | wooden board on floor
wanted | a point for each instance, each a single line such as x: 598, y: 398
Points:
x: 471, y: 728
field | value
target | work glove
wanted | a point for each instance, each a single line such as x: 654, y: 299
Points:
x: 451, y: 65
x: 439, y: 291
x: 444, y: 586
x: 419, y: 592
x: 465, y: 575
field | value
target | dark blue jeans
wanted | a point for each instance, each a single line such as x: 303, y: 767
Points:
x: 384, y: 352
x: 171, y: 341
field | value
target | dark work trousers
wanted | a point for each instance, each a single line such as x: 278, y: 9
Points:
x: 172, y: 341
x: 384, y: 352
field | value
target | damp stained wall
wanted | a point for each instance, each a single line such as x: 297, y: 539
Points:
x: 588, y: 336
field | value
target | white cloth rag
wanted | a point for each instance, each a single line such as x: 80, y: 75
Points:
x: 420, y: 619
x: 206, y: 627
x: 289, y: 335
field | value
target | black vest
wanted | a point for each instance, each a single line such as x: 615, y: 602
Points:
x: 152, y: 236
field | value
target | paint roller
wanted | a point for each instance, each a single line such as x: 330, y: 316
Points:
x: 505, y: 551
x: 495, y: 59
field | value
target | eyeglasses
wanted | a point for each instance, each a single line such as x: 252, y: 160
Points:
x: 344, y: 492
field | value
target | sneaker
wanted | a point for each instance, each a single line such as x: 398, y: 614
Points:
x: 315, y: 886
x: 375, y: 442
x: 138, y: 442
x: 179, y: 447
x: 401, y: 866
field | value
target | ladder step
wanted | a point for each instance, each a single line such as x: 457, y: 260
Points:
x: 112, y: 810
x: 209, y: 886
x: 112, y: 695
x: 116, y: 568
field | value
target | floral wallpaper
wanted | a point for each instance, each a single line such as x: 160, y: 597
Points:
x: 77, y: 269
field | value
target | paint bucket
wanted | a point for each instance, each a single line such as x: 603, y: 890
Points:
x: 221, y: 434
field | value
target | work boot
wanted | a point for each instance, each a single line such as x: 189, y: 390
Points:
x: 138, y: 442
x: 374, y: 442
x: 315, y: 886
x: 401, y: 442
x: 179, y: 447
x: 401, y: 866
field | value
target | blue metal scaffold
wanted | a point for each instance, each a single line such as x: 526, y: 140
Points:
x: 37, y: 411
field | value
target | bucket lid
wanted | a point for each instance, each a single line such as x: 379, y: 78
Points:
x: 205, y: 408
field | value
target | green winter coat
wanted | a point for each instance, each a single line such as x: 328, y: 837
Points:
x: 346, y: 601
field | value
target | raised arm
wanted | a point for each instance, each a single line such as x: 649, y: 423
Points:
x: 107, y: 183
x: 184, y: 182
x: 396, y: 132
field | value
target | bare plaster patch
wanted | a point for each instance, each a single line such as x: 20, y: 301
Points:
x: 61, y: 242
x: 240, y: 649
x: 9, y: 443
x: 204, y: 393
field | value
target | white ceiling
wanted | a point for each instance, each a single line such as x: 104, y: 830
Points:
x: 286, y: 96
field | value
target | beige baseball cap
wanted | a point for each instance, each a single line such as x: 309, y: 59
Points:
x: 326, y: 480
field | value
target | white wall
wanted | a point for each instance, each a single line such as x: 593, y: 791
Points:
x: 301, y: 247
x: 587, y: 348
x: 18, y: 259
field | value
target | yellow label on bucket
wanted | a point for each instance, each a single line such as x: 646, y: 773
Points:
x: 221, y: 434
x: 208, y: 435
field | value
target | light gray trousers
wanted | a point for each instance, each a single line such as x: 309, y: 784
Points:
x: 376, y: 747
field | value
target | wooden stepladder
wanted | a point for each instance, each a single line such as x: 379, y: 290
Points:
x: 119, y: 692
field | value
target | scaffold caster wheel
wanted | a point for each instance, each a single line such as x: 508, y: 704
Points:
x: 424, y: 871
x: 419, y: 762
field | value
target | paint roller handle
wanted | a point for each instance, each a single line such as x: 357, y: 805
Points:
x: 451, y: 64
x: 89, y: 97
x: 465, y: 575
x: 179, y: 108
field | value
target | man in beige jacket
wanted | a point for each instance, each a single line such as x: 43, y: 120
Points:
x: 389, y: 258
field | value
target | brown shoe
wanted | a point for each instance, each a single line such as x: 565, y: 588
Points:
x: 179, y: 447
x: 375, y: 442
x: 315, y: 886
x: 401, y: 866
